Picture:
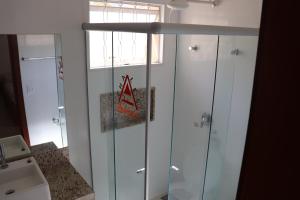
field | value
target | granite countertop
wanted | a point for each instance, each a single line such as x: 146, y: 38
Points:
x: 64, y: 181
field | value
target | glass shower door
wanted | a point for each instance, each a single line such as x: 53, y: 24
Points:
x: 129, y: 83
x: 99, y: 77
x: 117, y: 113
x: 234, y: 79
x: 193, y: 100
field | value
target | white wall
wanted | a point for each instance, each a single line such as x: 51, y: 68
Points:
x: 242, y: 13
x: 65, y: 17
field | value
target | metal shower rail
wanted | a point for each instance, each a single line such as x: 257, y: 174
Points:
x: 170, y: 28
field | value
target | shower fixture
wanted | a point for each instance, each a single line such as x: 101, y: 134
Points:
x: 193, y: 48
x: 235, y: 52
x: 183, y: 4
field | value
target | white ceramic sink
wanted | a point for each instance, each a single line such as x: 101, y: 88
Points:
x: 15, y: 148
x: 23, y: 180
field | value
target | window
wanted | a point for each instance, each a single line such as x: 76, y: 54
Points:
x: 129, y: 48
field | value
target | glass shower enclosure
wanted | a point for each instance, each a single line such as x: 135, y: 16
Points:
x: 173, y: 129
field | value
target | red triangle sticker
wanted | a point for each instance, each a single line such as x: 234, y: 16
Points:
x: 127, y: 90
x: 126, y: 95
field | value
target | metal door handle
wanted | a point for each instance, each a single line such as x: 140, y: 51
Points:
x: 140, y: 171
x: 205, y: 119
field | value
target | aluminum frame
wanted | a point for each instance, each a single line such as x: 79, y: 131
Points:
x: 170, y: 28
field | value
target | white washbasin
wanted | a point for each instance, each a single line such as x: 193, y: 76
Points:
x: 23, y: 180
x: 15, y: 148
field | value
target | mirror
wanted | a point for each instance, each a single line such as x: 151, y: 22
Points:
x: 32, y: 89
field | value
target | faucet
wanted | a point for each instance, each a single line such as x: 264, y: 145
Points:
x: 3, y: 163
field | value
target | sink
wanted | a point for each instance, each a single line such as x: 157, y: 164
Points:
x: 23, y: 180
x: 15, y: 148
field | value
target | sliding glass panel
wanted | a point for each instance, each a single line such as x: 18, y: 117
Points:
x: 193, y: 99
x: 161, y: 111
x: 129, y: 82
x: 235, y: 72
x: 100, y: 79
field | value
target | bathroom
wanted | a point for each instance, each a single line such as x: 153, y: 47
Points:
x: 188, y: 141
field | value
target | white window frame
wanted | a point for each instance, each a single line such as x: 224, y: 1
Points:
x: 160, y: 47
